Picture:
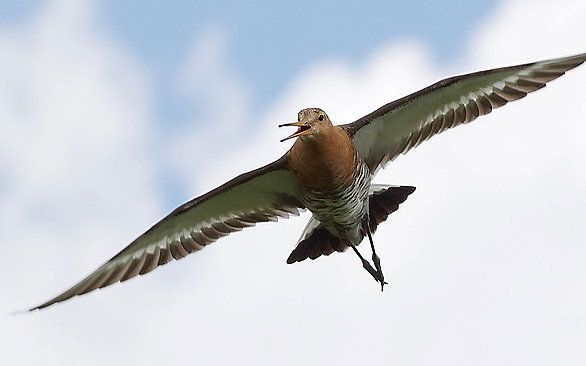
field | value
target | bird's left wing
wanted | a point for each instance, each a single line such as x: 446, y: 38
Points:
x: 261, y: 195
x: 395, y: 128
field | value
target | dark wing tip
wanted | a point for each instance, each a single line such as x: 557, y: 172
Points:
x: 55, y: 300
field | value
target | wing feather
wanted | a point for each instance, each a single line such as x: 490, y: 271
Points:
x: 262, y: 195
x: 399, y: 126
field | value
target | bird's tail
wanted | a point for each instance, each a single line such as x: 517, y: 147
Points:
x: 316, y: 240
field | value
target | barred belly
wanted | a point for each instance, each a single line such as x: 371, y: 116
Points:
x: 342, y: 211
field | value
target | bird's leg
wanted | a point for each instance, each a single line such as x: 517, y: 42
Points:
x: 375, y: 258
x: 376, y: 261
x: 365, y: 263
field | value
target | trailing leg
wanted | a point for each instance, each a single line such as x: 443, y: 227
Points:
x: 375, y: 258
x: 366, y: 264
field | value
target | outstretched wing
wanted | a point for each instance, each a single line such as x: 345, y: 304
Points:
x: 397, y: 127
x: 261, y: 195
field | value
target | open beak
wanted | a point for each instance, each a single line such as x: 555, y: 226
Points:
x: 302, y: 130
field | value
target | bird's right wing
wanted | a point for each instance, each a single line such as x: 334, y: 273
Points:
x: 261, y: 195
x: 397, y: 127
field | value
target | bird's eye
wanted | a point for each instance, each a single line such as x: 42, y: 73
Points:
x: 321, y: 117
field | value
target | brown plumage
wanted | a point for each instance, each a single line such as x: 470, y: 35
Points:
x: 326, y: 161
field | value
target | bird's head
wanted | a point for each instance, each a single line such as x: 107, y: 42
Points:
x: 310, y: 122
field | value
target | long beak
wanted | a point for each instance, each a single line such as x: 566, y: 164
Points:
x: 303, y: 130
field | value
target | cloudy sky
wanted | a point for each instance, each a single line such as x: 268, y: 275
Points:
x: 112, y: 114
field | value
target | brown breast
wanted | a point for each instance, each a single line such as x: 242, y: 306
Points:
x: 325, y: 163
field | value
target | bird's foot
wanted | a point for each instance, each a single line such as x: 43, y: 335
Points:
x: 379, y: 272
x: 382, y: 285
x: 376, y: 274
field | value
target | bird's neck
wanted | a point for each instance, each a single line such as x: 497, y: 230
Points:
x: 325, y: 162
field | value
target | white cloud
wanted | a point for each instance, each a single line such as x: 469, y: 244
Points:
x: 75, y: 165
x: 485, y: 260
x: 222, y: 105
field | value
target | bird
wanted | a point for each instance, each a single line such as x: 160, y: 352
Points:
x: 328, y: 170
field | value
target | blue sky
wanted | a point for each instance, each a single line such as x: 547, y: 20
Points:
x: 271, y: 41
x: 268, y: 43
x: 112, y: 113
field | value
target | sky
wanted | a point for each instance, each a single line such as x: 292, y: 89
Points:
x: 113, y: 113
